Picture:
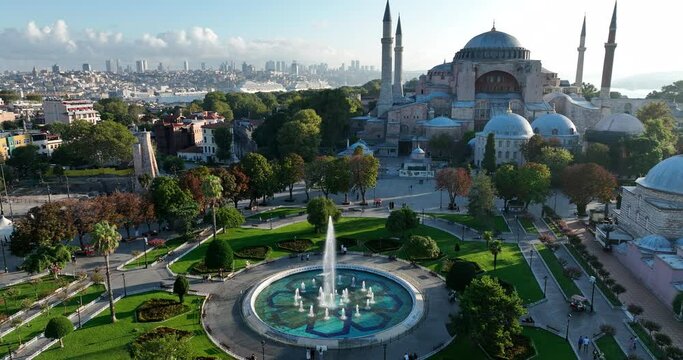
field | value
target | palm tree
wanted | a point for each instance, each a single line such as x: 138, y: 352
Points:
x: 495, y: 247
x: 212, y: 190
x: 488, y: 236
x: 105, y: 240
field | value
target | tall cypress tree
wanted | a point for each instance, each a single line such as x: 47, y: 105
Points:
x: 489, y: 162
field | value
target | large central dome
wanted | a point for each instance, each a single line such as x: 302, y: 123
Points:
x: 493, y: 40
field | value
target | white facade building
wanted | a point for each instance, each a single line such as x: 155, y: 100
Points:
x: 209, y: 145
x: 46, y: 143
x: 510, y: 131
x: 67, y: 111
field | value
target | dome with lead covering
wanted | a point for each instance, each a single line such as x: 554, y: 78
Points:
x: 553, y: 124
x: 509, y: 125
x: 620, y: 123
x: 493, y: 39
x: 655, y: 243
x: 666, y: 176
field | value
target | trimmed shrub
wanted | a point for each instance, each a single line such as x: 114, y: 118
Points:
x: 219, y: 255
x: 181, y: 287
x: 57, y: 328
x: 259, y: 252
x: 460, y: 274
x: 162, y: 342
x: 160, y: 332
x: 295, y: 245
x: 608, y: 329
x: 159, y: 310
x: 572, y: 272
x: 673, y: 353
x: 662, y: 339
x: 421, y: 247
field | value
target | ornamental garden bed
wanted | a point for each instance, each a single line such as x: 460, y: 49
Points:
x: 159, y: 310
x: 382, y: 245
x: 199, y: 268
x: 259, y: 252
x: 347, y: 242
x: 295, y: 245
x: 448, y: 263
x: 161, y: 332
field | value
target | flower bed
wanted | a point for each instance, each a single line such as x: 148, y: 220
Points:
x: 382, y: 245
x: 259, y: 252
x: 161, y: 332
x: 159, y: 310
x: 295, y: 245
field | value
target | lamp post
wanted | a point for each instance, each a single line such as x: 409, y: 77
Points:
x: 566, y: 335
x: 531, y: 261
x: 545, y: 284
x: 385, y: 350
x: 125, y: 290
x: 463, y: 233
x: 145, y: 251
x: 79, y: 310
x: 68, y: 192
x: 263, y: 349
x: 4, y: 258
x: 441, y: 199
x: 592, y: 280
x: 4, y: 184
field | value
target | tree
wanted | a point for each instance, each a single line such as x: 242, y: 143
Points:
x: 506, y: 181
x: 27, y: 162
x: 456, y: 181
x: 337, y: 177
x: 491, y: 315
x: 259, y: 172
x: 167, y: 347
x: 241, y: 189
x: 9, y: 96
x: 108, y: 142
x: 292, y: 171
x: 319, y: 210
x: 46, y: 256
x: 181, y: 287
x: 316, y: 174
x: 651, y: 326
x: 460, y: 275
x: 105, y: 240
x: 401, y: 221
x: 583, y: 183
x: 421, y: 247
x: 364, y: 171
x: 589, y: 91
x: 488, y: 237
x: 489, y: 161
x: 532, y: 149
x: 47, y: 224
x: 635, y: 310
x: 228, y: 218
x: 641, y: 154
x: 533, y: 183
x: 126, y: 212
x: 216, y: 101
x: 599, y: 154
x: 223, y: 138
x: 481, y: 197
x: 495, y: 247
x: 219, y: 255
x: 173, y: 164
x: 556, y: 159
x: 441, y: 146
x: 301, y: 135
x: 213, y: 191
x: 173, y: 204
x: 673, y: 92
x: 57, y: 328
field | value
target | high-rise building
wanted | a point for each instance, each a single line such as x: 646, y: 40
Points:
x: 160, y: 67
x: 138, y: 67
x: 278, y: 68
x: 119, y: 69
x: 186, y: 65
x: 270, y: 65
x: 203, y: 66
x: 108, y: 64
x: 86, y: 67
x: 56, y: 69
x: 295, y: 69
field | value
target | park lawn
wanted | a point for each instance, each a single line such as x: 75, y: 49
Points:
x: 36, y: 326
x: 462, y: 347
x: 100, y: 171
x: 46, y: 286
x: 567, y: 284
x: 100, y: 339
x: 511, y: 265
x: 497, y: 222
x: 528, y: 225
x: 277, y: 213
x: 608, y: 346
x: 549, y: 345
x: 156, y: 253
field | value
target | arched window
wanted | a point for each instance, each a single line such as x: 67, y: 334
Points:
x: 507, y: 155
x: 555, y: 131
x: 500, y: 154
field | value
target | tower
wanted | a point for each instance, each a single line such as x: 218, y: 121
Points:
x: 582, y: 50
x: 610, y: 46
x: 398, y: 62
x: 385, y: 97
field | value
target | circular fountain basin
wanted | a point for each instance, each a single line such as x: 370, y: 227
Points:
x: 269, y: 308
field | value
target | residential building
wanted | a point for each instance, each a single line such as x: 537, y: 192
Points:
x: 67, y: 111
x: 209, y: 144
x: 46, y: 143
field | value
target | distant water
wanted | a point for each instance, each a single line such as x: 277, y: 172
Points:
x: 178, y: 98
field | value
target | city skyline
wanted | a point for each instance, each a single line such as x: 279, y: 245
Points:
x: 336, y: 33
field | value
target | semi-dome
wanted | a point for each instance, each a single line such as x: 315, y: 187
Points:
x: 620, y: 123
x: 493, y: 39
x: 441, y: 121
x: 553, y: 124
x: 508, y: 125
x: 654, y: 242
x: 666, y: 176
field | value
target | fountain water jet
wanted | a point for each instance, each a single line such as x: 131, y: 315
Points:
x: 310, y: 312
x: 357, y: 314
x: 303, y: 287
x: 327, y: 314
x: 301, y: 306
x: 362, y: 288
x: 330, y: 262
x: 343, y: 315
x: 367, y: 304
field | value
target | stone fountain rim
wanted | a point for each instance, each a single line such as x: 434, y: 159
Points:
x: 252, y: 319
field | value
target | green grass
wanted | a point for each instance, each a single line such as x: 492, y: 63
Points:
x: 511, y: 266
x: 156, y: 253
x: 36, y: 326
x: 646, y: 339
x: 97, y: 172
x: 46, y: 285
x: 528, y: 225
x: 548, y: 346
x: 276, y: 213
x: 100, y: 339
x: 553, y: 226
x: 567, y: 284
x: 495, y: 223
x: 608, y: 345
x: 609, y: 294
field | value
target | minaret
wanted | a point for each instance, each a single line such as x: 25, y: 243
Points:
x: 398, y: 62
x: 582, y: 50
x: 610, y: 46
x: 385, y: 97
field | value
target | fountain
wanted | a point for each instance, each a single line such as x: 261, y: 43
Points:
x: 357, y: 314
x: 362, y: 288
x: 313, y: 282
x: 372, y: 298
x: 303, y: 287
x: 367, y: 304
x: 330, y: 261
x: 327, y: 314
x: 311, y: 314
x: 301, y: 306
x: 353, y: 282
x: 343, y: 315
x: 370, y: 291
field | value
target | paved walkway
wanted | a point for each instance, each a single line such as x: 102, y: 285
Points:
x: 636, y: 292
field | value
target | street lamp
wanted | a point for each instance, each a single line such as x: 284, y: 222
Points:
x: 531, y: 261
x: 4, y: 258
x: 566, y: 335
x: 263, y: 349
x: 125, y: 290
x: 145, y: 251
x: 79, y: 310
x: 463, y: 233
x: 545, y: 284
x: 592, y: 280
x: 441, y: 199
x: 385, y: 350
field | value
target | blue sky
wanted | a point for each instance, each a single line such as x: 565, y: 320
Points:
x: 70, y: 32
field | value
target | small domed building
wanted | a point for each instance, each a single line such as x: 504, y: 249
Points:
x: 510, y: 131
x: 652, y: 211
x: 557, y: 127
x: 614, y: 128
x: 417, y: 165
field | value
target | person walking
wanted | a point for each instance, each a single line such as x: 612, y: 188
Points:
x: 580, y: 342
x: 586, y: 342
